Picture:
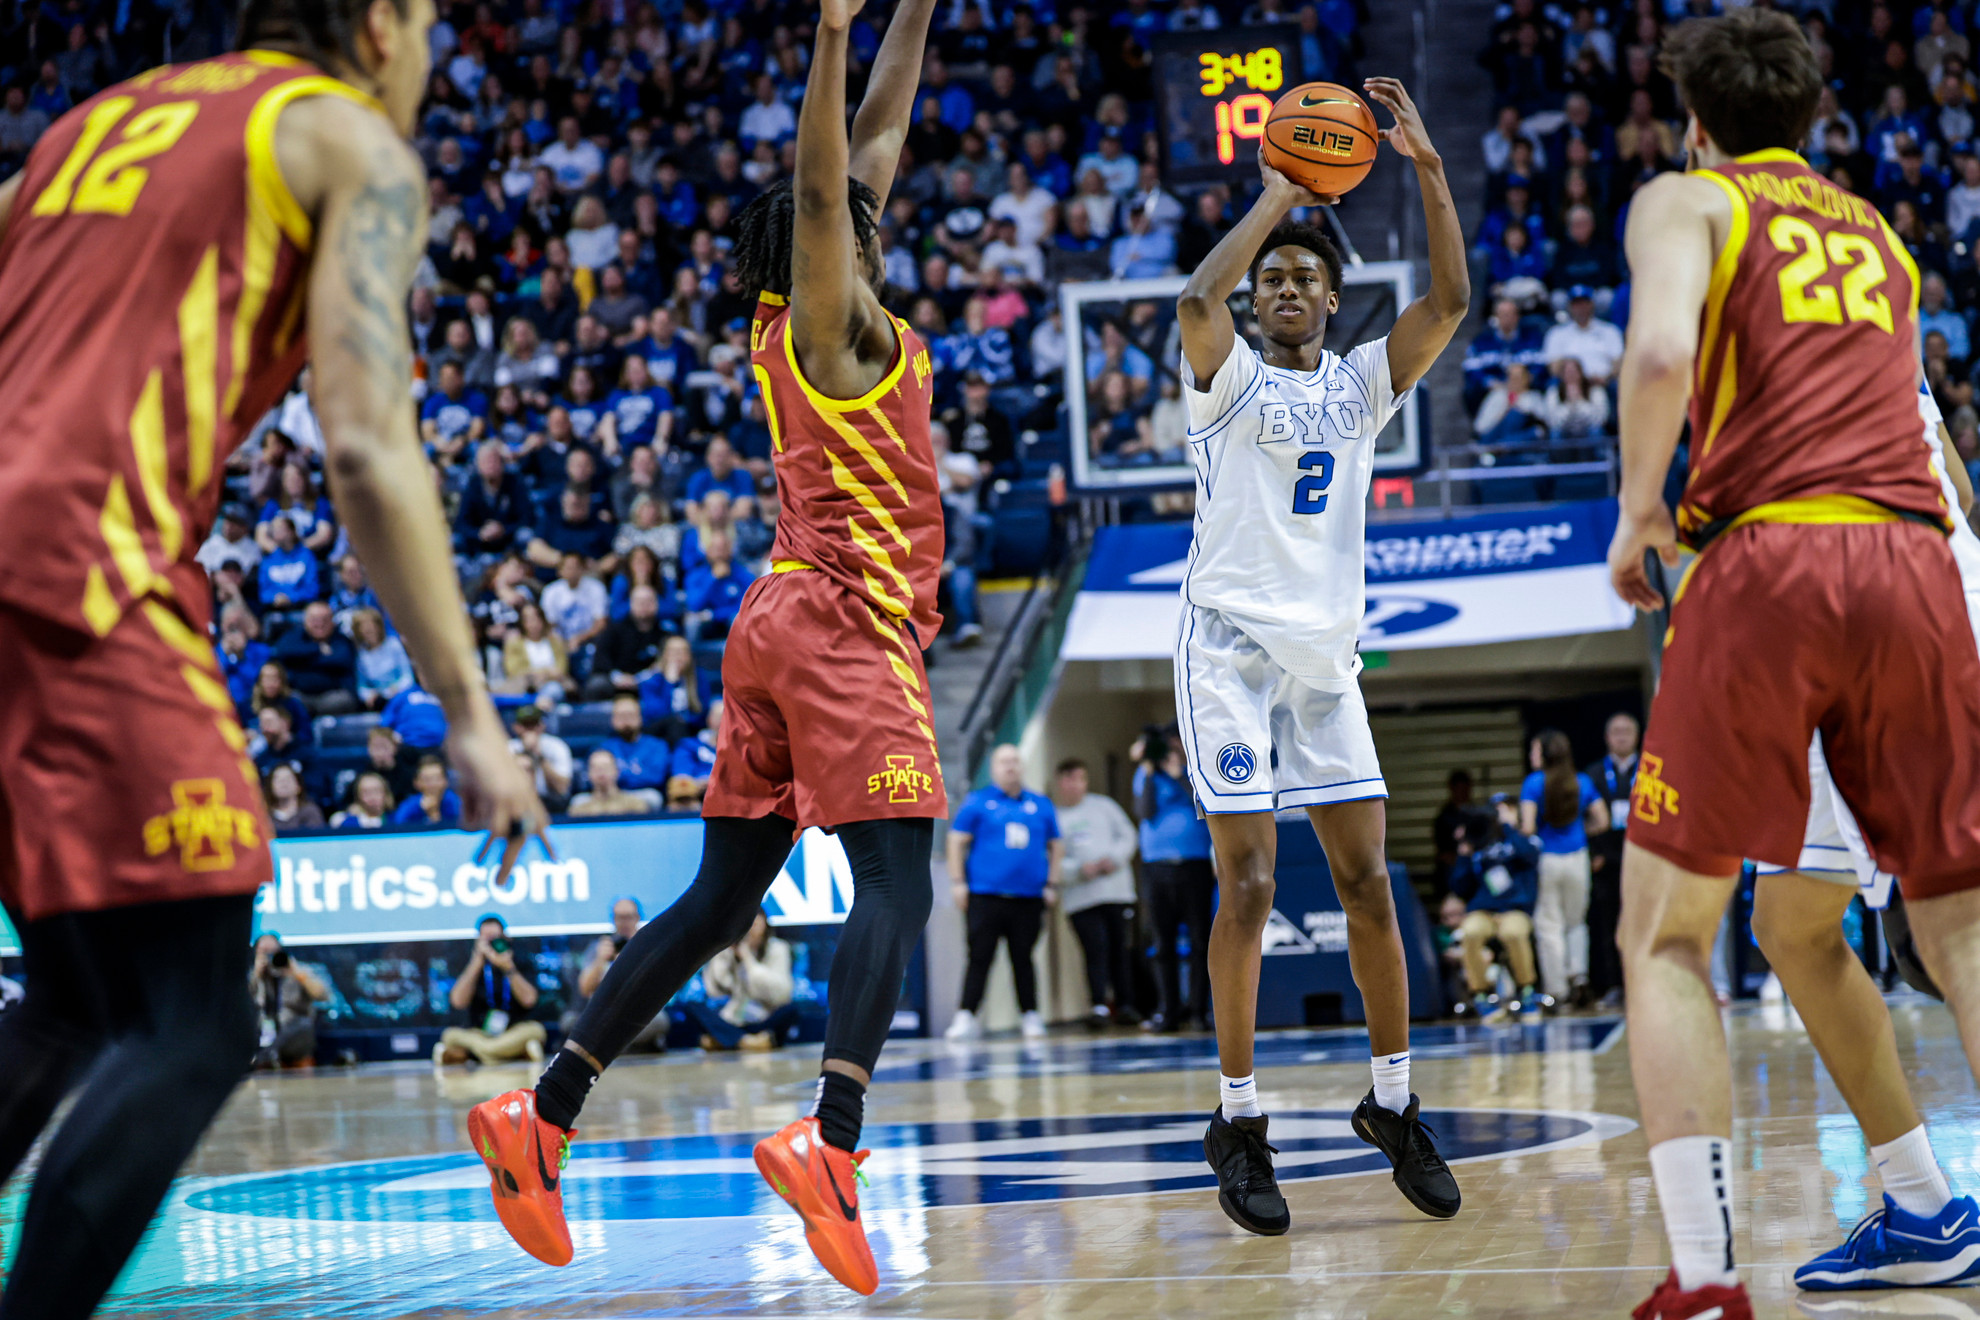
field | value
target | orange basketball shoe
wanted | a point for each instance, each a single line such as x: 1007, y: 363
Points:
x: 525, y: 1157
x: 821, y: 1183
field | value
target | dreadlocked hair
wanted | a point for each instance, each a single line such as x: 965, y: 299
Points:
x: 324, y: 32
x: 765, y: 231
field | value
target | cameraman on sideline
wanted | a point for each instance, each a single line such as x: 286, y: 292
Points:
x: 1497, y: 873
x: 626, y: 921
x: 285, y: 995
x: 494, y: 992
x: 1182, y: 884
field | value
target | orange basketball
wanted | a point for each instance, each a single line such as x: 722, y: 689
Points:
x: 1321, y: 136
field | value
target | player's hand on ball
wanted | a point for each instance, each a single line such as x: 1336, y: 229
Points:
x: 839, y: 13
x: 1634, y: 535
x: 1290, y: 194
x: 1409, y: 137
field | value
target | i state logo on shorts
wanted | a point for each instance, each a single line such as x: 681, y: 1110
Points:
x: 1236, y: 763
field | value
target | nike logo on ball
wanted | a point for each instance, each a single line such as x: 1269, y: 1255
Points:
x: 1309, y: 99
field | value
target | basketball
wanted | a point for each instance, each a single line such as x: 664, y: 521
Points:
x: 1321, y: 136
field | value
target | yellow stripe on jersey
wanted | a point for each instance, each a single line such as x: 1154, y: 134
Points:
x: 273, y: 212
x: 120, y: 534
x: 1724, y: 268
x: 825, y: 403
x: 179, y: 635
x: 762, y: 375
x: 864, y: 540
x: 1722, y: 401
x: 99, y: 603
x: 843, y: 478
x: 888, y: 427
x: 792, y: 566
x: 148, y: 444
x: 199, y: 335
x: 1817, y: 510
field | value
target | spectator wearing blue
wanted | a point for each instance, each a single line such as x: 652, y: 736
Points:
x: 1182, y: 884
x: 1003, y: 852
x: 723, y: 472
x: 1515, y: 212
x: 978, y: 346
x: 668, y: 355
x: 1497, y: 874
x: 715, y: 587
x: 1561, y: 806
x: 431, y: 801
x: 384, y: 670
x: 694, y: 761
x: 670, y: 695
x: 1501, y: 343
x: 288, y: 575
x: 494, y: 508
x: 321, y: 661
x: 451, y: 415
x: 1144, y: 252
x: 416, y: 716
x: 241, y: 656
x: 642, y: 410
x: 1935, y: 312
x: 308, y: 512
x: 577, y: 528
x: 644, y: 761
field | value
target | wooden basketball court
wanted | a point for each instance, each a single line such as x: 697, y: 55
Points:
x: 1063, y: 1179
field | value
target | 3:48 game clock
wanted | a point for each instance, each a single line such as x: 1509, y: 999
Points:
x: 1212, y: 92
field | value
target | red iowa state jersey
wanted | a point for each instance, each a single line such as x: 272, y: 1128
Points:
x: 151, y: 309
x: 1806, y: 393
x: 861, y: 500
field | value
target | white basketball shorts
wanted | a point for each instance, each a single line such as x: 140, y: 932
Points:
x: 1237, y: 707
x: 1832, y: 846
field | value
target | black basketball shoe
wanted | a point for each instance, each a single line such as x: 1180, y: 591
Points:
x: 1421, y: 1174
x: 1246, y: 1186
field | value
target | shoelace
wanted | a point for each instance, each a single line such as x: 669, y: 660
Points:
x: 859, y: 1168
x: 1258, y: 1174
x: 1873, y: 1224
x: 564, y: 1151
x: 1424, y: 1152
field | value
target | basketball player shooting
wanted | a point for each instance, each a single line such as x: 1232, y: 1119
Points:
x: 1283, y: 441
x: 174, y: 250
x: 1825, y: 599
x: 826, y: 694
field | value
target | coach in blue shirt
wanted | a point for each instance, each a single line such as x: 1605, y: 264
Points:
x: 1004, y: 850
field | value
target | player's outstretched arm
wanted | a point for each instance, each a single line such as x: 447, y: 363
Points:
x: 1428, y: 323
x: 1671, y: 250
x: 1203, y: 311
x: 831, y: 307
x: 880, y: 128
x: 366, y: 192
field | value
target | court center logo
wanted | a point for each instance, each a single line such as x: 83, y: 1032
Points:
x: 913, y: 1166
x: 1237, y: 763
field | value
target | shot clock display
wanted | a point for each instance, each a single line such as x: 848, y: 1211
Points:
x: 1212, y: 92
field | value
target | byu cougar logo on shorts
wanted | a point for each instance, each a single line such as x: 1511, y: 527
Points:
x: 1236, y: 763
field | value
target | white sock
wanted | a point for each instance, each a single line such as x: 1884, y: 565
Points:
x: 1911, y: 1175
x: 1240, y: 1097
x: 1694, y: 1187
x: 1391, y: 1081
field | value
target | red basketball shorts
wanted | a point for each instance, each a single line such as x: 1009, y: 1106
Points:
x: 123, y: 772
x: 1859, y: 630
x: 826, y: 714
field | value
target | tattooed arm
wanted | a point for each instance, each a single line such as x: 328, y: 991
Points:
x: 365, y: 191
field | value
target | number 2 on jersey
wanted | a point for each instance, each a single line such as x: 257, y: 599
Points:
x: 1308, y: 496
x: 1803, y: 300
x: 114, y: 180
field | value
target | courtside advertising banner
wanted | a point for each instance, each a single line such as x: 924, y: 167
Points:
x: 1498, y: 577
x: 381, y: 887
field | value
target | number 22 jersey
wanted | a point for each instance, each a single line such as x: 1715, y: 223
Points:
x: 1283, y: 462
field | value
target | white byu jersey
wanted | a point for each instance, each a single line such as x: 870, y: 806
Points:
x: 1283, y: 460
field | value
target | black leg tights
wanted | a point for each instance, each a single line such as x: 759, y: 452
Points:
x: 146, y: 1009
x: 739, y: 859
x: 892, y: 894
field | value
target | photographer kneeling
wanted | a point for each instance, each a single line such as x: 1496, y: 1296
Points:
x: 285, y: 995
x: 1497, y: 873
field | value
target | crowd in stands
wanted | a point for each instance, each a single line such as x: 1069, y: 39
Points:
x: 1585, y: 118
x: 583, y: 388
